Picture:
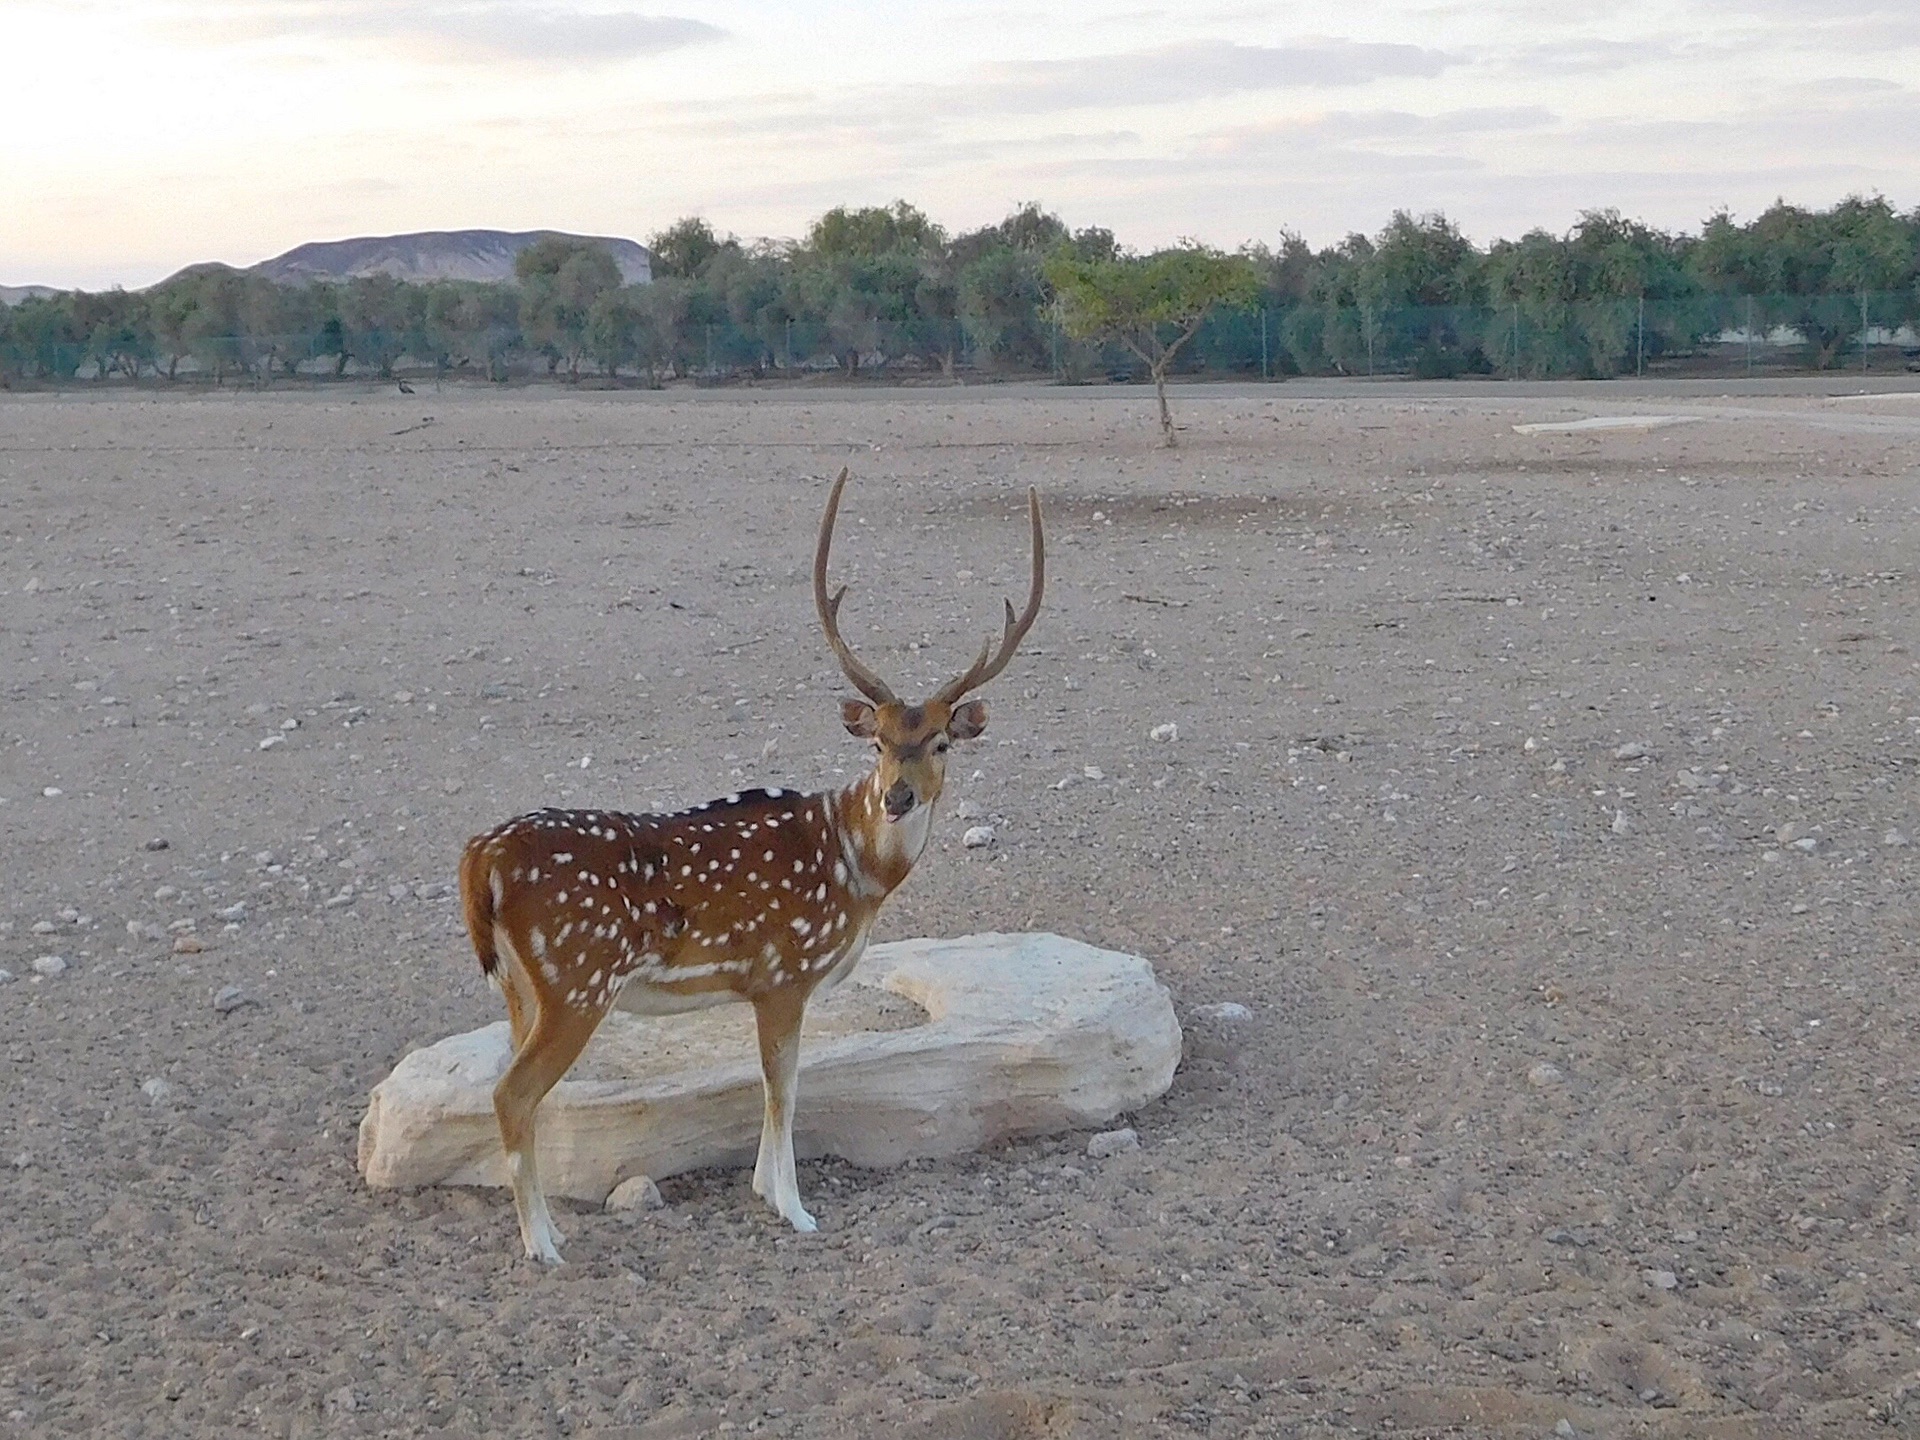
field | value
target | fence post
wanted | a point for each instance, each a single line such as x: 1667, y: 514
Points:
x: 1863, y: 332
x: 1640, y: 343
x: 1366, y: 319
x: 1266, y: 371
x: 1749, y: 337
x: 789, y: 364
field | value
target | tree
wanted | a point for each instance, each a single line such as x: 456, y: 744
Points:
x: 1153, y: 304
x: 560, y: 278
x: 685, y: 248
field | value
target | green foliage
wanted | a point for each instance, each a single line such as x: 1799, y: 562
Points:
x: 886, y: 288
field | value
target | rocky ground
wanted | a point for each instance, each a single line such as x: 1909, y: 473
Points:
x: 1543, y: 798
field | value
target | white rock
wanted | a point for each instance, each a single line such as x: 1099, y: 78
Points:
x: 156, y: 1089
x: 639, y: 1193
x: 43, y: 927
x: 1661, y: 1279
x: 1231, y: 1011
x: 1632, y: 750
x: 273, y: 740
x: 1621, y: 824
x: 1544, y: 1073
x: 237, y: 911
x: 977, y: 837
x: 1093, y: 772
x: 1168, y: 731
x: 1109, y: 1143
x: 53, y: 792
x: 1004, y: 1035
x: 230, y: 998
x: 166, y: 892
x: 1893, y: 837
x: 5, y: 975
x: 967, y: 810
x: 50, y: 965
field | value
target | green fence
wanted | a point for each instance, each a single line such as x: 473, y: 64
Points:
x: 1697, y: 334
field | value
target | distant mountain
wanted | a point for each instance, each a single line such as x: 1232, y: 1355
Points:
x: 14, y: 294
x: 435, y: 255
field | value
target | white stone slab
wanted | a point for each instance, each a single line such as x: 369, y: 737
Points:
x: 933, y: 1047
x: 1604, y: 422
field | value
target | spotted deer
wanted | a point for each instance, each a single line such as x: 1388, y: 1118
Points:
x: 765, y: 897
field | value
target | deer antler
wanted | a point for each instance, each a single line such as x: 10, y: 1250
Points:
x: 1015, y: 630
x: 864, y: 680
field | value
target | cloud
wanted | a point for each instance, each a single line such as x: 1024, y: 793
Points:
x: 1197, y: 70
x: 530, y: 31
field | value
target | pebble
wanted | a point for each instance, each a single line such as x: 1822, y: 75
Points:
x: 158, y: 843
x: 978, y: 837
x: 967, y: 810
x: 229, y: 998
x: 1661, y: 1279
x: 156, y: 1089
x: 273, y: 740
x: 1229, y: 1010
x: 1168, y: 731
x: 639, y: 1193
x: 50, y: 965
x: 188, y: 944
x: 432, y: 890
x: 166, y: 892
x: 1621, y: 824
x: 399, y: 891
x: 53, y: 792
x: 1093, y: 772
x: 237, y: 911
x: 1113, y: 1142
x: 341, y: 1401
x: 139, y: 930
x: 1563, y: 1428
x: 5, y: 975
x: 1893, y: 837
x: 1543, y: 1073
x: 44, y: 927
x: 1632, y: 750
x: 22, y: 1160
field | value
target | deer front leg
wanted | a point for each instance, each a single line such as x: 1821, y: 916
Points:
x: 778, y: 1017
x: 555, y: 1042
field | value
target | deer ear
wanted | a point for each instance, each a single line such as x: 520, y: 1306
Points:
x: 859, y: 718
x: 968, y: 720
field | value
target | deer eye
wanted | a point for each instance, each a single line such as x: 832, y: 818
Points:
x: 940, y: 746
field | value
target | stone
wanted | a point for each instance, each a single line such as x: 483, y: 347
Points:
x: 931, y: 1048
x: 50, y: 965
x: 1109, y: 1143
x: 188, y: 945
x: 1661, y: 1279
x: 978, y: 837
x: 1230, y: 1011
x: 1544, y: 1073
x: 229, y: 998
x: 156, y: 1089
x: 234, y: 912
x: 158, y: 843
x: 639, y: 1193
x: 1632, y: 750
x: 1893, y: 837
x: 1169, y: 731
x: 5, y: 975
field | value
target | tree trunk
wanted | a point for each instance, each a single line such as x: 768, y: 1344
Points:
x: 1160, y: 392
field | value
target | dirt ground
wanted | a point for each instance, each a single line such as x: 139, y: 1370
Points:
x: 1544, y: 797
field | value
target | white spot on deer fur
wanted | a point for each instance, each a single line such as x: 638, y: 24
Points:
x: 561, y: 857
x: 561, y: 898
x: 801, y: 925
x: 686, y: 870
x: 499, y: 888
x: 537, y: 942
x: 767, y: 856
x: 840, y: 872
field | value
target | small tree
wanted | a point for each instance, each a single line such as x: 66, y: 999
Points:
x: 1152, y: 304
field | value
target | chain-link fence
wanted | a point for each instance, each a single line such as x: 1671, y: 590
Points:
x: 1696, y: 335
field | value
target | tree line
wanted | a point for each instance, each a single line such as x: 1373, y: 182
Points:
x: 886, y: 288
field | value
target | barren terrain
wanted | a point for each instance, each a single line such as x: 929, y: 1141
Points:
x: 1545, y: 798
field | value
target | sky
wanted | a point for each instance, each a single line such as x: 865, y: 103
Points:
x: 144, y: 135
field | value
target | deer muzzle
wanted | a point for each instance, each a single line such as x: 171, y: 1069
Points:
x: 899, y: 800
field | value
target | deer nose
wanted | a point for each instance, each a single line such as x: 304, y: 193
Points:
x: 900, y: 799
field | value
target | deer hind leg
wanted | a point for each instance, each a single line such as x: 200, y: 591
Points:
x: 554, y: 1043
x: 778, y: 1019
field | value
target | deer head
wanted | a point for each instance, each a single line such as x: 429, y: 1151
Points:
x: 911, y: 741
